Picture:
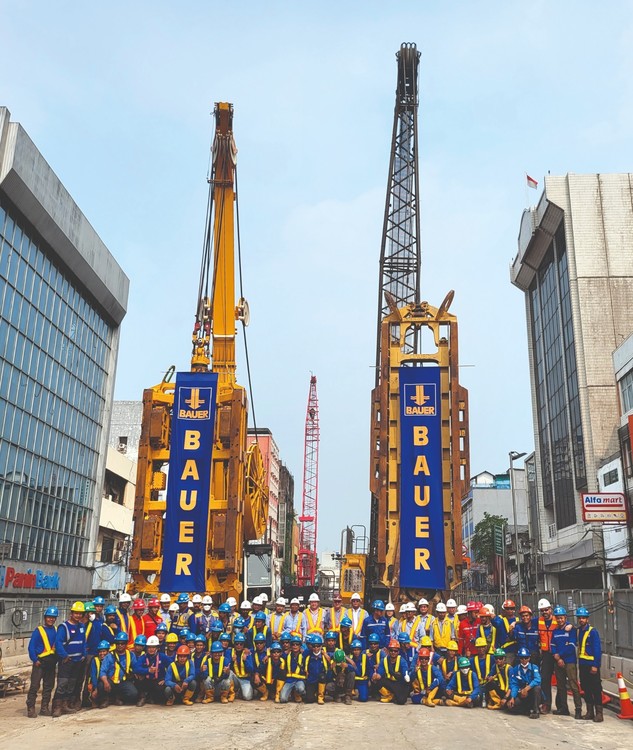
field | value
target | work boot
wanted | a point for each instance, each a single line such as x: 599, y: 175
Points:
x: 118, y: 702
x: 231, y: 694
x: 141, y: 701
x: 297, y: 698
x: 387, y: 697
x: 208, y: 696
x: 186, y: 700
x: 535, y: 715
x: 45, y: 710
x: 263, y: 692
x: 224, y: 696
x: 599, y: 716
x: 589, y: 716
x: 561, y: 712
x: 57, y: 709
x: 348, y: 699
x: 321, y: 694
x: 104, y: 703
x: 67, y: 709
x: 428, y: 702
x: 545, y: 708
x: 170, y: 701
x: 31, y: 712
x: 578, y: 713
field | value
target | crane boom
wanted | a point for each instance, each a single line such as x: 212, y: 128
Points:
x: 310, y: 502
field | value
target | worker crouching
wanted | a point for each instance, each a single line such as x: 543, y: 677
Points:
x: 180, y: 678
x: 463, y: 688
x: 218, y: 682
x: 393, y: 676
x: 428, y: 682
x: 525, y: 686
x: 341, y: 677
x: 116, y: 675
x: 294, y: 683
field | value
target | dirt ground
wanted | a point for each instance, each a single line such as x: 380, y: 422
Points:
x: 290, y: 726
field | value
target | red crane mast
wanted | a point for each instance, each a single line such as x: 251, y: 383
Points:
x: 309, y: 509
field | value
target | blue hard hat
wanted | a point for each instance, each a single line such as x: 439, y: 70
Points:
x: 190, y: 636
x: 374, y: 638
x: 582, y: 612
x: 217, y: 627
x: 110, y: 610
x: 346, y: 622
x: 330, y: 635
x: 239, y: 638
x: 260, y: 638
x: 98, y: 600
x: 162, y: 627
x: 404, y: 638
x: 224, y: 637
x: 103, y: 646
x: 226, y: 608
x: 121, y: 637
x: 216, y: 647
x: 259, y: 616
x: 184, y: 633
x: 523, y: 653
x: 295, y: 638
x: 182, y: 599
x: 378, y: 604
x: 239, y: 622
x: 558, y: 610
x: 201, y: 638
x: 317, y: 639
x: 51, y: 612
x: 285, y: 636
x: 275, y: 646
x: 356, y: 643
x: 140, y: 640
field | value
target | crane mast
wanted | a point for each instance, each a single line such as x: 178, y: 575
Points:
x: 310, y: 502
x: 236, y: 508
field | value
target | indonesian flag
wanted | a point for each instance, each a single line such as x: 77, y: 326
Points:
x: 531, y: 182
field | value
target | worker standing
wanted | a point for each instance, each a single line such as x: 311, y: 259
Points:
x: 411, y: 624
x: 357, y: 614
x: 315, y: 615
x: 546, y: 625
x: 442, y: 630
x: 336, y: 613
x: 469, y: 629
x: 124, y: 618
x: 42, y: 654
x: 180, y: 616
x: 425, y: 616
x: 376, y: 623
x: 165, y: 601
x: 526, y: 634
x: 278, y: 618
x: 589, y: 660
x: 564, y: 653
x: 361, y: 671
x: 295, y: 621
x: 151, y: 619
x: 70, y: 646
x: 505, y: 624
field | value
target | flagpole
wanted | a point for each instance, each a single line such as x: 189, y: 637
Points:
x: 525, y: 183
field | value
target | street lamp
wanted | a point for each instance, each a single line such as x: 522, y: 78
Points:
x: 513, y: 455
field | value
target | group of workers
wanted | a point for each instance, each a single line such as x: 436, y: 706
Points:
x: 185, y: 651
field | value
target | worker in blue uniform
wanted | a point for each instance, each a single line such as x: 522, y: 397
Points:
x: 242, y: 668
x: 395, y: 681
x: 316, y: 665
x: 361, y: 670
x: 44, y: 660
x: 180, y: 679
x: 563, y: 649
x: 219, y: 668
x: 428, y: 682
x: 152, y: 666
x: 525, y: 686
x: 589, y: 661
x: 376, y: 623
x: 463, y: 688
x: 70, y: 646
x: 96, y: 692
x: 116, y: 673
x: 295, y: 675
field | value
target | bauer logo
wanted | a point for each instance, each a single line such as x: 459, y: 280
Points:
x: 193, y: 403
x: 420, y: 400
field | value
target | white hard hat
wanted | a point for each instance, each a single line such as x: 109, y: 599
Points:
x: 295, y: 601
x: 490, y: 609
x: 257, y: 599
x: 403, y: 608
x: 174, y: 607
x: 313, y: 598
x: 190, y: 604
x: 207, y: 599
x: 125, y: 598
x: 451, y: 603
x: 462, y: 610
x: 542, y: 604
x: 245, y: 604
x: 281, y: 601
x: 264, y: 598
x: 196, y: 599
x: 165, y: 598
x: 232, y: 601
x: 390, y: 607
x: 409, y: 607
x: 356, y: 596
x: 440, y: 607
x: 153, y: 641
x: 422, y: 601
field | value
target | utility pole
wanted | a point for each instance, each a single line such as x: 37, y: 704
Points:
x: 513, y: 456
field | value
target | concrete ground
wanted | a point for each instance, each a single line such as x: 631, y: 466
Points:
x: 291, y: 726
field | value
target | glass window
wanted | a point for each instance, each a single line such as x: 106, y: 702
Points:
x: 626, y: 392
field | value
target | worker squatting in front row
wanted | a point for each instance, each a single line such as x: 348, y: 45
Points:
x: 105, y: 654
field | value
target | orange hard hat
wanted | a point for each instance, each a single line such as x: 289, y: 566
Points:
x: 483, y: 612
x: 393, y: 643
x: 524, y: 609
x: 508, y: 604
x: 183, y: 651
x: 424, y: 652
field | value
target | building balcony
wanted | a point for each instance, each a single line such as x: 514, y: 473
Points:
x: 116, y: 517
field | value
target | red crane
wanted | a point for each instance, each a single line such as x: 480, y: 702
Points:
x: 308, y: 518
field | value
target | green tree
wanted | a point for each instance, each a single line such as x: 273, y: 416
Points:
x: 482, y: 543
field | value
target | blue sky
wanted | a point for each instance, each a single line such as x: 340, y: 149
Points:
x: 118, y: 99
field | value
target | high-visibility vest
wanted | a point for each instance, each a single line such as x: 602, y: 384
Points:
x: 216, y: 668
x: 385, y: 664
x: 277, y: 623
x: 503, y: 675
x: 510, y: 641
x: 412, y: 629
x: 448, y: 665
x: 545, y: 633
x: 48, y: 649
x: 481, y: 676
x: 259, y: 656
x: 336, y: 617
x: 269, y: 669
x: 176, y: 672
x: 363, y: 668
x: 345, y: 641
x: 296, y: 670
x: 314, y: 626
x: 429, y: 676
x: 460, y: 689
x: 441, y: 633
x: 583, y: 645
x: 118, y: 667
x: 493, y: 635
x: 357, y: 626
x: 238, y: 664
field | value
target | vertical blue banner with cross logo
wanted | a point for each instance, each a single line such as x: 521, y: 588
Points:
x: 422, y: 557
x: 189, y: 483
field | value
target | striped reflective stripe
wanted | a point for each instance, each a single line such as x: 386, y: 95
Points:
x: 47, y: 644
x: 385, y: 665
x: 460, y: 689
x: 583, y: 646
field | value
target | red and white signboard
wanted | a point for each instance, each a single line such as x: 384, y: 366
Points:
x: 604, y: 507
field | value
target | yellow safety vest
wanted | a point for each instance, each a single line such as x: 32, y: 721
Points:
x: 429, y: 677
x: 414, y: 624
x: 385, y: 665
x: 445, y: 666
x: 460, y: 689
x: 583, y: 646
x: 345, y: 641
x: 335, y: 622
x: 506, y: 623
x: 238, y: 664
x: 504, y: 677
x: 216, y: 668
x: 297, y: 671
x: 493, y: 636
x: 359, y: 625
x: 117, y: 677
x: 174, y: 670
x: 441, y: 633
x: 314, y: 626
x: 363, y: 668
x: 277, y: 623
x: 48, y: 650
x: 269, y: 669
x: 481, y: 676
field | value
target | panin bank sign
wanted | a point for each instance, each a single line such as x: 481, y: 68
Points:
x: 30, y: 579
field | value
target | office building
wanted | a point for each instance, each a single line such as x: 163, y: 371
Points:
x: 575, y: 268
x: 62, y: 300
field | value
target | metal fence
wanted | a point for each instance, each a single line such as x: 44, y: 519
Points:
x: 611, y: 611
x: 19, y: 617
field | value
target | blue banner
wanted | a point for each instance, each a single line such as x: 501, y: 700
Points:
x: 189, y: 483
x: 422, y: 558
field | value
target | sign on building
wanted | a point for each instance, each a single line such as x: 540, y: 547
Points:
x: 604, y: 507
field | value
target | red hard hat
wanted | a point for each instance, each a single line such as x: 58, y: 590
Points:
x: 509, y: 604
x: 480, y: 605
x: 153, y: 603
x: 138, y: 604
x: 472, y: 607
x: 183, y: 651
x: 424, y: 652
x: 393, y: 643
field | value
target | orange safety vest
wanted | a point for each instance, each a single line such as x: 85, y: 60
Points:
x: 545, y: 633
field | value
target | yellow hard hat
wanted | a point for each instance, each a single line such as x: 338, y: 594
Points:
x: 452, y: 646
x: 481, y: 642
x: 78, y: 607
x: 171, y: 638
x: 426, y: 641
